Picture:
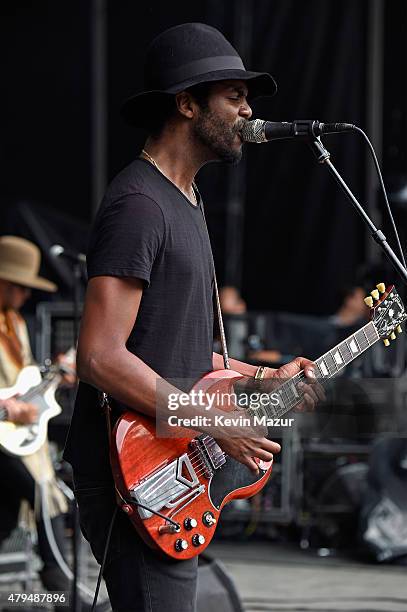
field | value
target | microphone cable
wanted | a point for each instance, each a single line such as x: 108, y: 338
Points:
x: 383, y: 188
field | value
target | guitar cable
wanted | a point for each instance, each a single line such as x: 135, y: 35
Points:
x: 139, y: 505
x: 102, y: 565
x: 109, y: 533
x: 65, y: 569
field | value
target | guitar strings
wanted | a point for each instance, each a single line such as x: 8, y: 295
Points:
x: 193, y: 458
x: 198, y: 465
x: 166, y: 495
x: 299, y: 377
x: 34, y: 391
x: 162, y: 499
x: 199, y: 469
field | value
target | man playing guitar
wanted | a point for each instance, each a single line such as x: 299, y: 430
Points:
x: 148, y: 315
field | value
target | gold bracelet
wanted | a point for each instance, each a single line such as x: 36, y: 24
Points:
x: 260, y: 373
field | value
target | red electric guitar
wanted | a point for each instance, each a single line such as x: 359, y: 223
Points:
x: 173, y: 489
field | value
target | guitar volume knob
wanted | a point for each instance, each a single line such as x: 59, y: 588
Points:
x: 180, y: 545
x: 190, y: 523
x: 198, y: 539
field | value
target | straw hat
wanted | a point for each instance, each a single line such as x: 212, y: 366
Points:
x: 20, y: 262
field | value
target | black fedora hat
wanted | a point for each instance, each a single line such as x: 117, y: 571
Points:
x: 186, y: 55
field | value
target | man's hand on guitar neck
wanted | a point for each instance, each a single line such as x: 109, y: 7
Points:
x: 21, y: 413
x: 247, y: 449
x: 311, y: 390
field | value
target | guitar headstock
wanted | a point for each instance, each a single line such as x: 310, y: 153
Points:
x: 387, y: 311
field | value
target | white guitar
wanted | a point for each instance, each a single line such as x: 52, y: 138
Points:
x: 39, y: 389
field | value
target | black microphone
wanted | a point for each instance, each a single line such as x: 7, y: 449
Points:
x: 58, y: 250
x: 264, y: 131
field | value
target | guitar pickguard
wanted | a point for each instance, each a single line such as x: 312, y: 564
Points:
x: 231, y: 477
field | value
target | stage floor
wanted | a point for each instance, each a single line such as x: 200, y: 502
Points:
x: 274, y: 577
x: 283, y: 578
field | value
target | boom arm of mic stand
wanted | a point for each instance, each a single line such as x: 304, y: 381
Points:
x: 323, y: 157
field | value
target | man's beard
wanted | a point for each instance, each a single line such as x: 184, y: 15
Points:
x: 219, y: 136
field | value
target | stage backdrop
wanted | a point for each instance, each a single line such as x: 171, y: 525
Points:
x: 301, y: 239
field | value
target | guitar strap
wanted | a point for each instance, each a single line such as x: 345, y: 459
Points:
x: 225, y: 353
x: 106, y: 408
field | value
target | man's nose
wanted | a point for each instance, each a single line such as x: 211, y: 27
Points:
x: 245, y: 110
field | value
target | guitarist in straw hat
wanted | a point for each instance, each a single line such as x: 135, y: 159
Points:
x: 19, y: 477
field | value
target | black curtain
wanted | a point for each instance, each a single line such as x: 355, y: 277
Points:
x: 303, y: 240
x: 45, y: 143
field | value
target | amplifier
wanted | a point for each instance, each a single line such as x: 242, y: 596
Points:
x: 55, y: 334
x: 54, y: 329
x: 276, y: 503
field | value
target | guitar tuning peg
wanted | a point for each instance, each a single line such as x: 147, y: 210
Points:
x: 386, y: 342
x: 398, y: 329
x: 392, y: 336
x: 375, y: 294
x: 368, y: 301
x: 381, y: 287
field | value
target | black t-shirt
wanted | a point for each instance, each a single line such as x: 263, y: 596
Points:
x: 146, y: 228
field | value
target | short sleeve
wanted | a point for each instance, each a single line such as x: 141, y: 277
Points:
x: 127, y: 237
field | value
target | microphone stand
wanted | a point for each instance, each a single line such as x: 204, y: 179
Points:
x: 76, y: 604
x: 323, y: 157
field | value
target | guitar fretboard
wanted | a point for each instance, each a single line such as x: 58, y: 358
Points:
x: 38, y: 389
x: 328, y: 366
x: 32, y: 393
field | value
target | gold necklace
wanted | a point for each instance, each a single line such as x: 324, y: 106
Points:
x: 151, y: 159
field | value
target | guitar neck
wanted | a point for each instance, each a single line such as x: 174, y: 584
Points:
x: 54, y: 374
x: 328, y: 366
x: 41, y: 387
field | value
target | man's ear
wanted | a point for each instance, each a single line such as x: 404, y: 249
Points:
x: 186, y: 104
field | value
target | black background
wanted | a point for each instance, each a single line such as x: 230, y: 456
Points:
x: 302, y: 240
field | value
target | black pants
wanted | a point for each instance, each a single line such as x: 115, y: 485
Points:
x: 137, y: 578
x: 16, y: 484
